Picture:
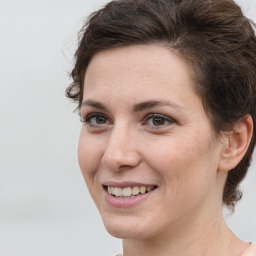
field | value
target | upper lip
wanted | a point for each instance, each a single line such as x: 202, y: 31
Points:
x: 123, y: 184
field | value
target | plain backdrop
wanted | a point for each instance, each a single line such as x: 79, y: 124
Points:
x: 45, y: 208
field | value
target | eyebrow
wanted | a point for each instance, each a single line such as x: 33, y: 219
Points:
x: 155, y: 103
x: 94, y: 104
x: 142, y: 106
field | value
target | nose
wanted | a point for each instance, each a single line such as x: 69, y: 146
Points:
x: 121, y: 151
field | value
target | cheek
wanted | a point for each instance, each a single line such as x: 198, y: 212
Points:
x: 184, y: 164
x: 89, y: 158
x: 89, y: 155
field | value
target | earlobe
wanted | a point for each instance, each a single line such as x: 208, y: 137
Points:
x: 236, y: 144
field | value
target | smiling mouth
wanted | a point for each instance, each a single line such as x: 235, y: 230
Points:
x: 128, y: 192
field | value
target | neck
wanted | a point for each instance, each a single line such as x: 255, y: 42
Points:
x: 192, y: 237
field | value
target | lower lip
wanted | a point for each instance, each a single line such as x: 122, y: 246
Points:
x: 123, y: 202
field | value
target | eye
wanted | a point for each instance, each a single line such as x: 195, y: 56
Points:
x: 157, y: 121
x: 95, y: 120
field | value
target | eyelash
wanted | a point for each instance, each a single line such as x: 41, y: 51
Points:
x: 161, y: 116
x: 88, y: 120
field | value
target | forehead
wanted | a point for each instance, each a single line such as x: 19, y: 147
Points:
x: 137, y: 66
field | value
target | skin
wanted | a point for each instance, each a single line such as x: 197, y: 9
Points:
x: 179, y: 153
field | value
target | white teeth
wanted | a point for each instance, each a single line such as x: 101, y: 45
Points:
x: 143, y: 189
x: 129, y: 191
x: 135, y: 191
x: 118, y: 191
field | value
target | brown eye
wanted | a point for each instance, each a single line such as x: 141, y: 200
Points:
x: 96, y: 120
x: 158, y: 121
x: 100, y: 119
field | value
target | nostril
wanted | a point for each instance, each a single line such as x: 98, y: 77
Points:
x: 124, y: 167
x: 119, y: 160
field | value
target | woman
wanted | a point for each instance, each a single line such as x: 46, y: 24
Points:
x: 166, y: 92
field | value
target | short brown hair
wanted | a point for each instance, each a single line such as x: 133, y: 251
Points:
x: 213, y: 35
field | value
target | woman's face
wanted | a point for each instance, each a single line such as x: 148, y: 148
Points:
x: 147, y: 150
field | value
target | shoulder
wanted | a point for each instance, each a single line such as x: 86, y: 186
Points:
x: 251, y: 251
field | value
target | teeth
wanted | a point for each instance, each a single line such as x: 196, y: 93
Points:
x: 143, y: 189
x: 118, y: 191
x: 135, y: 191
x: 129, y: 191
x: 149, y: 188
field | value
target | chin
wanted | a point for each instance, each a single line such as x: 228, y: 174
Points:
x: 126, y: 229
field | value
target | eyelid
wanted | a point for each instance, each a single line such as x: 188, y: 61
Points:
x: 160, y: 115
x: 166, y: 118
x: 89, y: 116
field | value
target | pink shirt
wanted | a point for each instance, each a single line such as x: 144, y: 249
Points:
x: 251, y: 251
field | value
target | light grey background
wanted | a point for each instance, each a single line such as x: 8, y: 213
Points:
x: 45, y: 208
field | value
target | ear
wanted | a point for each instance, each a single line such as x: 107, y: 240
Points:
x: 236, y: 144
